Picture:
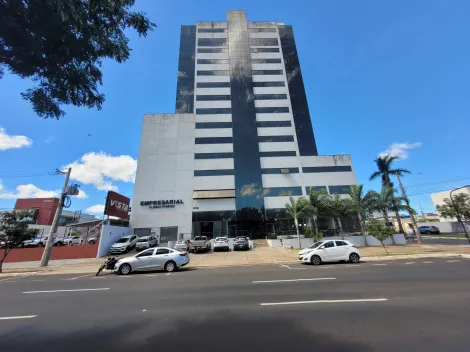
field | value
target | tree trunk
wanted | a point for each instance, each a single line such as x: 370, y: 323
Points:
x: 361, y: 223
x: 315, y: 219
x: 400, y: 226
x: 384, y: 247
x: 386, y: 221
x: 1, y: 264
x: 298, y: 233
x: 340, y: 228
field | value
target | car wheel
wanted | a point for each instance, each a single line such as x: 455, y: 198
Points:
x: 127, y: 250
x: 170, y: 266
x: 315, y: 260
x: 125, y: 269
x: 40, y: 244
x: 92, y: 242
x: 59, y: 244
x: 354, y: 258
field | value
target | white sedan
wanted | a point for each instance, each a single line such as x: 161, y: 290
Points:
x: 330, y: 251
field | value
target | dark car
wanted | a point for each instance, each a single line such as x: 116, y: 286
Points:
x: 429, y: 229
x: 241, y: 242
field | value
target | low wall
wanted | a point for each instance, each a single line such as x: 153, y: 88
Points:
x: 355, y: 240
x: 109, y: 236
x: 448, y: 226
x: 66, y: 252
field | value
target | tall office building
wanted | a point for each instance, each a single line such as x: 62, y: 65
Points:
x: 240, y: 141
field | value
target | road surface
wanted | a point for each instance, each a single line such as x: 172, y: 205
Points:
x: 445, y: 241
x: 417, y: 305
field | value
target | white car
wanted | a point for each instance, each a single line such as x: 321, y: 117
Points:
x: 221, y: 243
x: 70, y: 241
x: 41, y: 242
x: 153, y: 259
x: 145, y: 242
x: 124, y: 244
x: 330, y: 251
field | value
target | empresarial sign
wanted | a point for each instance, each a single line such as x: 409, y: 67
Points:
x: 117, y: 205
x: 161, y: 203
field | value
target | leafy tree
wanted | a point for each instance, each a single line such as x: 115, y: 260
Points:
x: 462, y: 202
x: 61, y: 44
x: 384, y: 170
x: 362, y: 204
x: 14, y: 230
x: 319, y: 201
x: 316, y: 236
x: 297, y: 209
x: 379, y: 231
x: 339, y: 208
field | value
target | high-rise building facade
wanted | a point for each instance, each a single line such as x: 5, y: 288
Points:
x: 240, y: 141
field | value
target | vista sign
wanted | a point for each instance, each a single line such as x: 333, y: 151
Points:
x: 117, y: 205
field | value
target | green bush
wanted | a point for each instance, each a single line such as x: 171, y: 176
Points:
x: 312, y: 234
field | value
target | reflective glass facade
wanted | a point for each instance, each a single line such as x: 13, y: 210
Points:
x: 186, y: 68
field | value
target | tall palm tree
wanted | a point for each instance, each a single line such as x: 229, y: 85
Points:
x: 297, y: 209
x: 339, y: 208
x: 362, y: 204
x: 319, y: 201
x: 384, y: 170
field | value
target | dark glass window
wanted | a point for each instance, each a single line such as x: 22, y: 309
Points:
x: 213, y: 172
x: 212, y: 97
x: 212, y: 61
x: 326, y: 169
x: 213, y: 73
x: 315, y: 188
x: 339, y: 189
x: 271, y: 110
x: 266, y: 61
x: 264, y: 41
x: 214, y: 215
x: 329, y: 244
x: 270, y: 96
x: 340, y: 243
x: 300, y: 112
x: 275, y: 138
x: 213, y: 155
x: 213, y: 140
x: 213, y: 111
x: 162, y: 251
x: 282, y: 191
x: 211, y: 30
x: 281, y: 170
x: 185, y: 83
x: 266, y: 72
x: 279, y: 153
x: 273, y: 124
x: 212, y: 50
x: 269, y: 84
x: 264, y: 50
x: 200, y: 125
x: 213, y: 85
x: 261, y: 30
x: 212, y: 42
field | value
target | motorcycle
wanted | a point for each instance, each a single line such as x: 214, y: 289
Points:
x: 108, y: 264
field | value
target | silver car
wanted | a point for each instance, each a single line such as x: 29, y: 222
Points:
x: 146, y: 242
x: 221, y: 243
x: 124, y: 244
x: 183, y: 245
x: 153, y: 259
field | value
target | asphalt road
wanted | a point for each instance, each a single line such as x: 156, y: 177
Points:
x: 420, y: 305
x: 445, y: 241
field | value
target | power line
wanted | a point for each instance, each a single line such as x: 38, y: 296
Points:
x: 34, y: 174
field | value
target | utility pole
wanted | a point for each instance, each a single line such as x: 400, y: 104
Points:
x: 416, y: 228
x: 55, y: 223
x: 422, y: 212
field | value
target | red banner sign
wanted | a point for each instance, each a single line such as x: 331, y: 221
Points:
x: 117, y: 205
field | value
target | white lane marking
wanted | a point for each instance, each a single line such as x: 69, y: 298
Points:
x: 152, y: 275
x: 428, y: 262
x: 298, y: 268
x: 410, y: 263
x: 294, y: 280
x: 15, y: 277
x: 326, y: 301
x: 19, y: 317
x: 285, y: 266
x: 325, y: 267
x: 380, y: 264
x: 77, y: 290
x: 78, y: 277
x: 125, y: 276
x: 38, y: 280
x: 453, y: 261
x: 352, y: 266
x: 98, y: 277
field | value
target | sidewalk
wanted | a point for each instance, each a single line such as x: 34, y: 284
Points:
x: 260, y: 255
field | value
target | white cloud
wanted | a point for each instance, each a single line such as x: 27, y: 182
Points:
x: 81, y: 195
x: 96, y: 209
x: 27, y: 191
x: 399, y: 150
x: 13, y: 142
x: 101, y: 169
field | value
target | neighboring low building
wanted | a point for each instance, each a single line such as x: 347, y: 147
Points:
x: 438, y: 199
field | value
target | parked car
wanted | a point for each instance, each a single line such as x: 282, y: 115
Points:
x: 41, y: 242
x: 241, y: 242
x: 153, y: 259
x: 93, y: 240
x: 221, y: 243
x: 429, y: 229
x: 329, y: 251
x: 145, y: 242
x: 70, y: 241
x: 124, y: 244
x: 200, y: 243
x: 183, y: 245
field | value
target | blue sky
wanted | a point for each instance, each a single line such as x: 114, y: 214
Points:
x: 376, y: 73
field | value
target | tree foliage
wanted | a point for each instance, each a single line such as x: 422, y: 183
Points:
x: 297, y: 209
x: 462, y: 202
x: 319, y: 201
x: 14, y: 230
x: 61, y: 44
x: 379, y: 231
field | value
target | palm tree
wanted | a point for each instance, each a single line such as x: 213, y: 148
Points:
x: 384, y: 166
x: 339, y: 208
x: 319, y: 201
x: 297, y: 209
x: 362, y: 204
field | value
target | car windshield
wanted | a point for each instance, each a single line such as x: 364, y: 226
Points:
x: 143, y: 240
x: 316, y: 244
x: 123, y: 240
x: 200, y: 238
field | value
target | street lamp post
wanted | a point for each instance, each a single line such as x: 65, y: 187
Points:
x: 459, y: 217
